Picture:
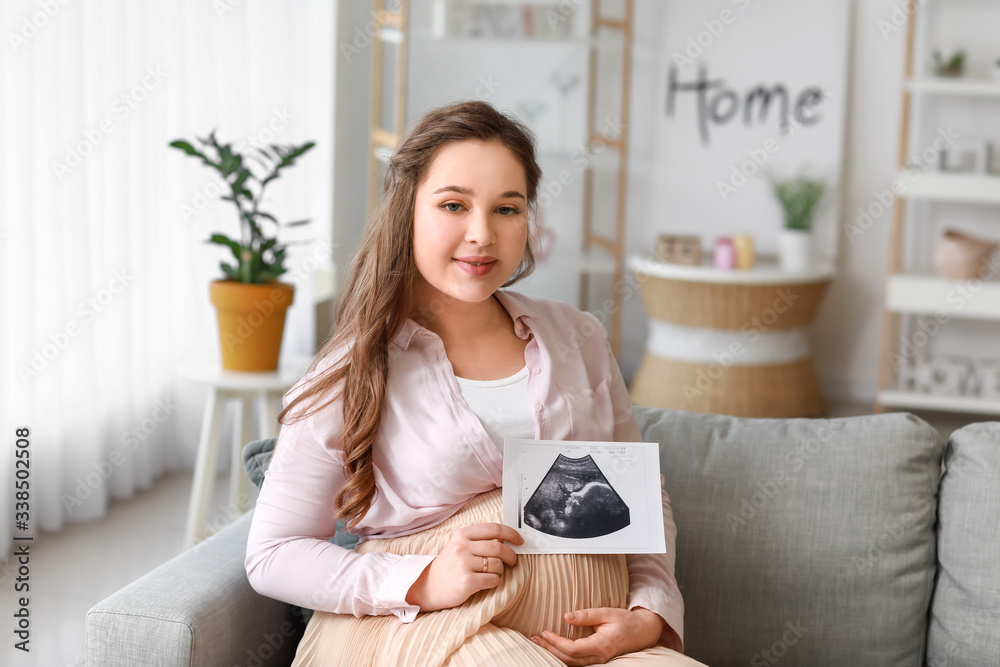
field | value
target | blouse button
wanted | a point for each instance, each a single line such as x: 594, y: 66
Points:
x: 536, y: 370
x: 538, y: 408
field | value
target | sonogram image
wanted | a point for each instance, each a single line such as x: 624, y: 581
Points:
x: 575, y: 500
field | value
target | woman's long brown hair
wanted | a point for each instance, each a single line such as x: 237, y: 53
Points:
x: 374, y: 301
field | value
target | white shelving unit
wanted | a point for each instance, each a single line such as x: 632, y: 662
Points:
x: 944, y: 187
x: 928, y: 295
x: 916, y: 400
x: 922, y: 85
x: 914, y: 292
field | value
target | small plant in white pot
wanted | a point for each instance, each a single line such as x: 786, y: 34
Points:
x: 799, y: 198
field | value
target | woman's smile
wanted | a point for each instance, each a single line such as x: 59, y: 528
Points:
x: 476, y: 266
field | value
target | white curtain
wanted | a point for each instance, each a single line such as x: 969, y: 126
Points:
x: 103, y: 267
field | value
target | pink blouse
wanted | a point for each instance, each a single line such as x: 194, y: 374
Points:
x: 432, y: 455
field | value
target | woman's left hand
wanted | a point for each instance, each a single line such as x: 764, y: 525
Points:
x: 616, y: 632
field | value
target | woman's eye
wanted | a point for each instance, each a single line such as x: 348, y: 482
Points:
x: 508, y: 210
x: 451, y: 203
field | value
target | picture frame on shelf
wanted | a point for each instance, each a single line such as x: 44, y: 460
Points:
x: 678, y: 249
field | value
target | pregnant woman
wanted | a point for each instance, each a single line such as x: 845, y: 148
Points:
x: 398, y: 426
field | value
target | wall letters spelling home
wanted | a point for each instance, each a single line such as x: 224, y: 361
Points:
x: 719, y: 105
x: 737, y: 90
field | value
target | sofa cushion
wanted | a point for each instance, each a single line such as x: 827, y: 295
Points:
x: 965, y: 611
x: 805, y: 541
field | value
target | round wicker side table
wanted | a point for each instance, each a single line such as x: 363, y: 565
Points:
x: 729, y: 342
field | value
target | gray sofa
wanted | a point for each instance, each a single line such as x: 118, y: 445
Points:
x: 801, y: 542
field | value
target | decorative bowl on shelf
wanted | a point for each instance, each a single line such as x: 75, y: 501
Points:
x: 959, y: 256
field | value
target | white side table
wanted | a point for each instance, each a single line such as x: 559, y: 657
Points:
x: 266, y: 389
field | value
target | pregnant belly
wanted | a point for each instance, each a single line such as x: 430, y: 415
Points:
x: 550, y: 585
x: 534, y: 594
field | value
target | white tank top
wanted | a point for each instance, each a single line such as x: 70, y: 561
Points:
x: 501, y: 405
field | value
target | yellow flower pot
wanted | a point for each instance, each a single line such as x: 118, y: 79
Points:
x: 251, y: 322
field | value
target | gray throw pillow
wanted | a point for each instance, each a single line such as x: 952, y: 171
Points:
x: 801, y: 541
x: 965, y: 612
x: 256, y: 457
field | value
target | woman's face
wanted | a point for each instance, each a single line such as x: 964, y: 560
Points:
x: 470, y: 221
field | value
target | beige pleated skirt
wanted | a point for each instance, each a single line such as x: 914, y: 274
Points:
x: 493, y: 627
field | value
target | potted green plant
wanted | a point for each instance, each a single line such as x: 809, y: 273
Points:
x: 250, y: 301
x: 953, y: 66
x: 799, y: 198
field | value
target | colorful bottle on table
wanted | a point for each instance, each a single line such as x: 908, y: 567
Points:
x: 744, y: 251
x: 725, y: 253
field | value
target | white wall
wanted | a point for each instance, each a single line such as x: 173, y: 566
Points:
x: 849, y: 325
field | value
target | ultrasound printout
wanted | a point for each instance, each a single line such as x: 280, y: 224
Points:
x: 583, y: 497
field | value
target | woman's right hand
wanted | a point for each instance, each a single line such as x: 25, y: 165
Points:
x: 458, y: 571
